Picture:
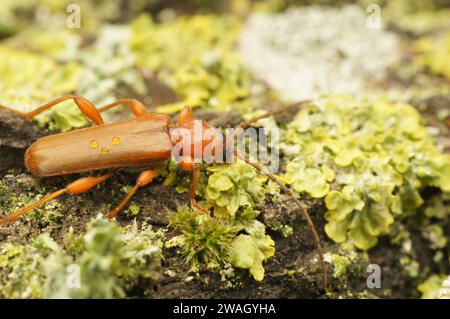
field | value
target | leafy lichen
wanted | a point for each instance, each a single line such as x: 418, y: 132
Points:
x: 195, y: 57
x: 107, y: 259
x: 368, y: 159
x: 434, y: 54
x: 431, y: 287
x: 29, y: 80
x: 248, y: 251
x: 232, y: 187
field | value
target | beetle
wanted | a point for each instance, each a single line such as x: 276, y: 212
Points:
x: 146, y: 140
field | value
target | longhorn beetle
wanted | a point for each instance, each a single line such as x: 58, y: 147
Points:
x: 146, y: 140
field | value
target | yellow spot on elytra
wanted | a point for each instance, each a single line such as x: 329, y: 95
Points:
x: 105, y: 150
x: 116, y: 141
x: 93, y: 144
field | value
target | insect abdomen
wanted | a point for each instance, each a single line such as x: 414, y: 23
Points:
x: 140, y: 141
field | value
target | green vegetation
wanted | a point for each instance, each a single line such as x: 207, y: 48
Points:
x: 232, y: 235
x: 198, y: 63
x: 434, y: 54
x: 103, y: 263
x: 369, y: 160
x: 204, y: 241
x: 431, y: 287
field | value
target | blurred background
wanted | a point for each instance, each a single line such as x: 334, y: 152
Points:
x: 218, y: 55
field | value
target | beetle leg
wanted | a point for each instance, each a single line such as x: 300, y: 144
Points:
x: 144, y: 178
x: 137, y: 107
x: 79, y: 186
x: 193, y: 190
x: 187, y: 164
x: 86, y: 107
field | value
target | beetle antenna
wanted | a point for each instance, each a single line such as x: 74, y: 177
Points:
x: 302, y: 209
x: 289, y: 108
x: 239, y: 130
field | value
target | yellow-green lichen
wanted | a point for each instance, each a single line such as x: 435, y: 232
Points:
x: 368, y: 159
x: 195, y: 57
x: 29, y: 80
x: 431, y: 287
x: 248, y: 251
x: 232, y: 187
x: 102, y: 263
x: 434, y: 54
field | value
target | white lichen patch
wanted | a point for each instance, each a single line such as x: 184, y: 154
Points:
x: 315, y: 50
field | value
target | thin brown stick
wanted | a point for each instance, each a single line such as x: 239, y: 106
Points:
x: 247, y: 123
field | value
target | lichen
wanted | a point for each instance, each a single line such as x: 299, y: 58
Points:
x: 337, y: 57
x: 248, y: 251
x: 369, y: 160
x: 232, y: 187
x: 195, y: 57
x: 431, y: 287
x: 30, y: 80
x: 103, y: 263
x: 434, y: 54
x: 23, y: 268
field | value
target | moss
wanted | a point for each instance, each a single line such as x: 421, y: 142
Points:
x: 345, y: 262
x: 215, y: 242
x: 204, y: 241
x: 29, y: 191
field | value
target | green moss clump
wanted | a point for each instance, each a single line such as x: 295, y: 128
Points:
x: 49, y: 213
x: 204, y: 240
x: 368, y: 159
x: 215, y: 243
